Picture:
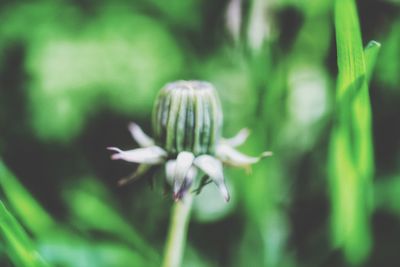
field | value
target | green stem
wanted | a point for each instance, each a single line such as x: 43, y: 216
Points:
x: 176, y: 240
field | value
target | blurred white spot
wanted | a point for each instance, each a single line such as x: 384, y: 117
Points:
x: 259, y: 25
x: 234, y: 18
x: 210, y: 206
x: 308, y: 95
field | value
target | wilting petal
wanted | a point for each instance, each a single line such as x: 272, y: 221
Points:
x: 188, y: 180
x: 231, y: 156
x: 238, y: 139
x: 149, y: 155
x: 213, y: 168
x: 140, y: 137
x: 183, y: 163
x: 140, y: 171
x: 190, y: 176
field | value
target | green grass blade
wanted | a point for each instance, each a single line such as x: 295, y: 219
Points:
x: 362, y: 118
x: 371, y: 52
x: 18, y: 245
x: 350, y: 53
x: 30, y: 212
x: 351, y: 149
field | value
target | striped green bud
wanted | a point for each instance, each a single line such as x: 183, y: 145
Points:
x: 187, y: 116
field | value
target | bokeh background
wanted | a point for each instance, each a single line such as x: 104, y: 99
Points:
x: 73, y: 74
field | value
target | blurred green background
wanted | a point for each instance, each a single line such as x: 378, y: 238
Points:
x: 73, y: 74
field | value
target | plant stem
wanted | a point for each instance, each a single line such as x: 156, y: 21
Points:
x: 176, y: 239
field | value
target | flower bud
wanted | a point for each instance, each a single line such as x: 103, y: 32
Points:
x: 187, y: 116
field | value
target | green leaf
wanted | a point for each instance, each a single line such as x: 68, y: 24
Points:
x: 350, y: 54
x: 18, y: 245
x: 68, y: 249
x: 100, y: 214
x: 351, y: 148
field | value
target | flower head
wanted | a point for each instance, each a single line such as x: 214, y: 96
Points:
x: 187, y: 122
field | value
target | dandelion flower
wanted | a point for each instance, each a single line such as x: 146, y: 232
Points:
x: 187, y: 123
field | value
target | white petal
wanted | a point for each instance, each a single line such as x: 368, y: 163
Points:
x: 140, y: 171
x: 231, y: 156
x: 140, y: 137
x: 170, y: 171
x: 149, y: 155
x: 190, y: 176
x: 213, y: 168
x: 183, y: 163
x: 238, y: 139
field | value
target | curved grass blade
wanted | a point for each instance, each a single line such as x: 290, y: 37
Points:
x: 19, y: 247
x: 28, y: 209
